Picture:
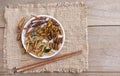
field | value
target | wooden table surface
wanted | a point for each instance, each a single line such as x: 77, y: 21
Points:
x: 103, y: 36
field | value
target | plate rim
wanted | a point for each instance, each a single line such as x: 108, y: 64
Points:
x: 44, y: 57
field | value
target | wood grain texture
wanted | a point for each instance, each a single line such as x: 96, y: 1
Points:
x: 104, y: 54
x: 65, y: 74
x: 103, y: 12
x: 104, y: 48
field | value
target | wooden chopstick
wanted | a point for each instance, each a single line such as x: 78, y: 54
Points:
x: 41, y: 63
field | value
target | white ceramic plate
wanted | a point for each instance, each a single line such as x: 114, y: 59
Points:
x: 44, y: 56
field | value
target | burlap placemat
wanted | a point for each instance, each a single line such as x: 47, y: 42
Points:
x: 73, y: 18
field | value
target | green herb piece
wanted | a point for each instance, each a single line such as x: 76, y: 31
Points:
x: 46, y: 50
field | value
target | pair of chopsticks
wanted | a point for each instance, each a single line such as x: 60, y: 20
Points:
x: 47, y: 61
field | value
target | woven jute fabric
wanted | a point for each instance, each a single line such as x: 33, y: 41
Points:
x: 73, y: 18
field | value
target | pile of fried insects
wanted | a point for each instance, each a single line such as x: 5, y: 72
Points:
x: 43, y: 36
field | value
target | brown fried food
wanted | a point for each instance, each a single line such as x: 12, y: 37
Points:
x: 21, y: 23
x: 18, y: 36
x: 50, y: 31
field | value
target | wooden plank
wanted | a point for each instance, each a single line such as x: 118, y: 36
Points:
x: 66, y: 74
x: 104, y: 54
x: 103, y: 12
